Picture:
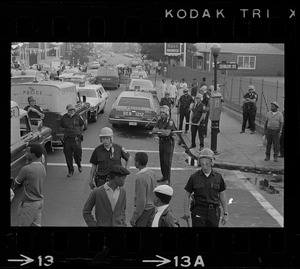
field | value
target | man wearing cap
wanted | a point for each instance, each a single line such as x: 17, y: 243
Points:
x: 72, y: 126
x: 164, y: 127
x: 197, y: 121
x: 145, y: 183
x: 167, y: 101
x: 35, y: 112
x: 208, y: 189
x: 249, y: 109
x: 184, y: 108
x: 109, y: 201
x: 105, y: 156
x: 164, y: 216
x: 31, y: 177
x: 273, y: 130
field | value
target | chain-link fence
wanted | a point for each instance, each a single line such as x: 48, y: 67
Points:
x: 233, y: 88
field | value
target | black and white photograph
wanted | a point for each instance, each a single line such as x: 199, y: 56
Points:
x: 128, y: 134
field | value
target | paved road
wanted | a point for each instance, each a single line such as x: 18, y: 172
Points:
x: 65, y: 197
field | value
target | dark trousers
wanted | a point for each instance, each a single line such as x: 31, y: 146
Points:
x: 204, y: 217
x: 200, y: 129
x: 206, y: 122
x: 184, y: 113
x: 146, y: 219
x: 249, y: 115
x: 72, y: 149
x: 272, y: 139
x: 166, y: 149
x: 281, y: 142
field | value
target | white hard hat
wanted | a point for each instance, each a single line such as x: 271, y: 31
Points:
x: 106, y: 131
x: 206, y: 153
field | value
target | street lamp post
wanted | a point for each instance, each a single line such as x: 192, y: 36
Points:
x: 215, y: 49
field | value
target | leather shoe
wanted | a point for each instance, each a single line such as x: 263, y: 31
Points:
x: 267, y: 159
x: 80, y: 169
x: 241, y: 132
x: 160, y: 180
x: 70, y: 174
x: 192, y: 146
x: 252, y: 133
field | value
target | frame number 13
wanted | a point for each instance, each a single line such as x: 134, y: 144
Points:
x: 48, y: 260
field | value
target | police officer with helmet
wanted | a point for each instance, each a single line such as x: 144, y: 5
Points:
x: 104, y: 157
x: 164, y: 127
x: 208, y: 189
x: 184, y: 108
x: 35, y: 112
x: 249, y: 109
x: 72, y: 126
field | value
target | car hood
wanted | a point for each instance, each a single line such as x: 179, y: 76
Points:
x: 92, y: 101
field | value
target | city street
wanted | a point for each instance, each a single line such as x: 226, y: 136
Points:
x: 65, y: 197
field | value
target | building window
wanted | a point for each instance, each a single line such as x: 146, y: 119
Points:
x: 246, y: 62
x: 199, y: 63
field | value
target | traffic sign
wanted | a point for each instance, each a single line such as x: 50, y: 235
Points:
x: 227, y: 65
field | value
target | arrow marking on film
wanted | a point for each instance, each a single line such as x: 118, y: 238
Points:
x: 162, y: 261
x: 25, y: 261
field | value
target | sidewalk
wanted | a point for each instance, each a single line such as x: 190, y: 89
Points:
x: 236, y: 151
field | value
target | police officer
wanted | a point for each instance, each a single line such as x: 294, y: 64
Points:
x: 35, y: 112
x: 208, y: 189
x: 104, y: 157
x: 72, y: 126
x: 249, y: 109
x: 197, y: 118
x: 164, y: 127
x: 184, y: 107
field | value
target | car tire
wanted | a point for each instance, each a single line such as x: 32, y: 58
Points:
x: 94, y: 117
x: 102, y: 111
x: 114, y: 125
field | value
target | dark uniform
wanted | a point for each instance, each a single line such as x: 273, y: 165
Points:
x: 166, y: 147
x: 249, y: 111
x: 33, y: 116
x: 184, y: 112
x: 206, y: 208
x: 104, y: 160
x: 168, y: 102
x: 72, y: 139
x: 194, y: 88
x: 197, y: 110
x: 205, y: 101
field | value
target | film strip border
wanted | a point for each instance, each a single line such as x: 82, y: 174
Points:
x: 157, y: 21
x: 116, y: 248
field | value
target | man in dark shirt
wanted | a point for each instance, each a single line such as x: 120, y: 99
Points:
x: 194, y: 87
x: 249, y: 109
x: 208, y: 189
x: 184, y: 107
x: 205, y: 101
x: 35, y: 112
x: 72, y: 126
x: 164, y: 127
x: 104, y: 157
x: 197, y: 118
x: 167, y: 100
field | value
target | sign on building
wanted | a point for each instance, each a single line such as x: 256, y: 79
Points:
x: 172, y: 49
x: 227, y: 65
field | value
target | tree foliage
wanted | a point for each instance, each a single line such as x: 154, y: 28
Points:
x: 81, y: 51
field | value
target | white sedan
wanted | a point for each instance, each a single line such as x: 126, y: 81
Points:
x: 96, y: 96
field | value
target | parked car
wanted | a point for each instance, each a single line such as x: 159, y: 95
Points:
x: 108, y: 77
x: 93, y: 72
x: 143, y: 85
x: 76, y: 79
x: 27, y: 75
x: 134, y: 63
x: 96, y: 96
x: 133, y: 108
x: 89, y: 77
x: 138, y: 74
x: 68, y: 72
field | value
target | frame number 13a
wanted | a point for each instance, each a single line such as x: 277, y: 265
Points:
x: 185, y: 261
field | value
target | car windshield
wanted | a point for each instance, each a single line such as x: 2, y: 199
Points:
x: 73, y: 80
x: 142, y: 83
x: 136, y: 102
x: 22, y: 79
x: 88, y: 93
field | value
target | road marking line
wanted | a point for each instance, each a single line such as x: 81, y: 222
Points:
x: 130, y: 167
x: 264, y: 203
x: 129, y: 150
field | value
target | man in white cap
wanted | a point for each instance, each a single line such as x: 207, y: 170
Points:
x: 273, y: 130
x: 164, y: 127
x: 72, y: 126
x: 208, y: 189
x: 164, y: 216
x: 249, y: 109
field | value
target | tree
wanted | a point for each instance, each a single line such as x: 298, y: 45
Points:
x: 81, y: 51
x: 153, y: 51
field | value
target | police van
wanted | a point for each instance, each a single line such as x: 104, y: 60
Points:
x: 53, y: 97
x: 21, y: 134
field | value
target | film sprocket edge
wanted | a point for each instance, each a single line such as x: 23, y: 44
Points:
x: 145, y: 247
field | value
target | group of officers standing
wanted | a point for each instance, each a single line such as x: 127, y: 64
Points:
x: 107, y: 177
